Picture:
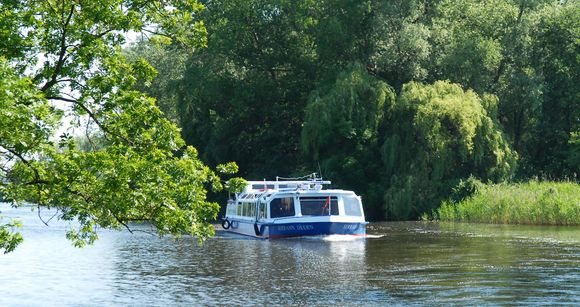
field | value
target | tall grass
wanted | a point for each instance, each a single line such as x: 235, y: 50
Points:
x: 542, y: 203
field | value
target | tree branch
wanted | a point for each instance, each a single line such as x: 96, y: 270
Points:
x: 62, y: 54
x: 95, y: 36
x: 92, y: 115
x: 87, y: 135
x: 63, y: 99
x: 50, y: 5
x: 511, y: 39
x: 25, y: 161
x: 71, y: 81
x: 40, y: 217
x: 122, y: 223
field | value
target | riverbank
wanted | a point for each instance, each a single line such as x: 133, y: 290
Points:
x: 540, y: 203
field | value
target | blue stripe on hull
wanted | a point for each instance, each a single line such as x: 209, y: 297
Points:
x: 315, y: 229
x: 268, y: 230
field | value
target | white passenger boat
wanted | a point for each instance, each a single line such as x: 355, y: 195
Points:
x: 290, y: 208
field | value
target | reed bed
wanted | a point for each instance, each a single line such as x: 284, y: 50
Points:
x: 540, y: 203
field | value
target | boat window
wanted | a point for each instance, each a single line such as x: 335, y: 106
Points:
x: 245, y: 209
x: 262, y: 213
x: 281, y: 207
x: 262, y: 186
x: 231, y: 209
x: 249, y: 209
x: 319, y: 205
x: 352, y: 206
x: 252, y: 209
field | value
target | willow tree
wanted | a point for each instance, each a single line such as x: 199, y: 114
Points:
x: 67, y: 53
x: 440, y: 134
x: 341, y: 131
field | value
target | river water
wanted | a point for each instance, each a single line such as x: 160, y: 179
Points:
x: 399, y: 264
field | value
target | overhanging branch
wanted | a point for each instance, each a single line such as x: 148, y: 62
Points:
x: 91, y: 114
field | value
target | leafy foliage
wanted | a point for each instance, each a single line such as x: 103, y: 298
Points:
x: 9, y: 239
x: 243, y: 97
x: 66, y: 53
x: 465, y: 189
x: 442, y: 134
x: 342, y: 126
x: 555, y: 54
x: 348, y: 115
x: 288, y: 87
x: 574, y: 153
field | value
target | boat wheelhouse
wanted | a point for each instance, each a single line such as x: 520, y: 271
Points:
x: 289, y: 208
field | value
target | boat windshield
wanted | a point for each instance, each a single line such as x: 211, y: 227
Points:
x: 319, y: 205
x: 352, y: 206
x: 281, y: 207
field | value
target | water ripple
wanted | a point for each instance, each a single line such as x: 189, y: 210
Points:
x: 397, y: 264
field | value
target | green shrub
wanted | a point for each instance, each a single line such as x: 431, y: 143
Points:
x: 465, y: 188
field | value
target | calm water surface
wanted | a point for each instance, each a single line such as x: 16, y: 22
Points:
x: 401, y: 263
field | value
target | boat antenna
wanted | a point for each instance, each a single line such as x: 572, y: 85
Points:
x: 319, y: 170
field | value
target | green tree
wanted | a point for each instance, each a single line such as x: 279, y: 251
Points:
x: 271, y: 90
x: 401, y: 41
x: 525, y: 53
x: 521, y: 93
x: 169, y: 60
x: 243, y: 97
x: 56, y: 52
x: 440, y: 134
x: 554, y: 54
x: 573, y: 160
x: 341, y: 130
x: 467, y: 38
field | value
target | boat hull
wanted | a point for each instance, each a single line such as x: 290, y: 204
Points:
x: 296, y: 229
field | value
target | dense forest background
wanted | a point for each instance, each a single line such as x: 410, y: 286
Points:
x: 396, y: 100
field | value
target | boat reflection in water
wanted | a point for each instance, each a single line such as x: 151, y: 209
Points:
x: 292, y: 270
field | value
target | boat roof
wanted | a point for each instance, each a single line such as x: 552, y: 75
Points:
x: 311, y: 185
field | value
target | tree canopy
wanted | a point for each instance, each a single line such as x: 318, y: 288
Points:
x: 385, y: 97
x: 442, y: 134
x: 62, y: 60
x: 397, y: 100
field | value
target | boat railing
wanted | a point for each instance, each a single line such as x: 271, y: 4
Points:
x: 310, y: 182
x: 261, y: 186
